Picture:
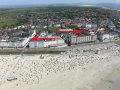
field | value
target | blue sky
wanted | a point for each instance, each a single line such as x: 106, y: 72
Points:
x: 29, y: 2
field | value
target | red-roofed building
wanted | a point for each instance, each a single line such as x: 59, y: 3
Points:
x: 79, y: 32
x: 64, y: 30
x: 36, y: 38
x: 37, y: 42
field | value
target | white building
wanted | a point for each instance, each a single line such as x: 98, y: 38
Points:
x: 108, y: 37
x: 40, y: 44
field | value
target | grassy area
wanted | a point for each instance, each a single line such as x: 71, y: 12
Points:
x: 14, y: 52
x: 8, y: 23
x: 51, y: 28
x: 54, y: 28
x: 12, y: 22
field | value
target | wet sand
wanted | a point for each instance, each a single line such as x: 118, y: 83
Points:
x: 110, y: 82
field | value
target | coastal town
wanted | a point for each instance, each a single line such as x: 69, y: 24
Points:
x: 58, y: 27
x: 59, y: 48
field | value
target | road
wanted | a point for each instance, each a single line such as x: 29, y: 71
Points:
x: 49, y: 50
x: 93, y: 43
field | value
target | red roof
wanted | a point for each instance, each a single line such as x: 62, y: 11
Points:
x: 64, y: 30
x: 79, y: 32
x: 36, y: 38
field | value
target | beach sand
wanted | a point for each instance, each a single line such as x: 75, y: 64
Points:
x: 110, y: 82
x: 85, y: 78
x: 83, y: 71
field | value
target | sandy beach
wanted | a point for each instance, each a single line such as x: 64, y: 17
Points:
x: 76, y: 69
x: 111, y: 81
